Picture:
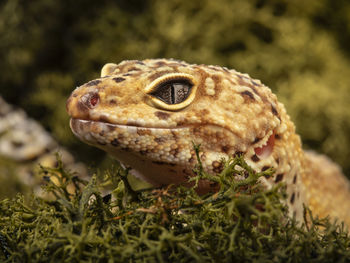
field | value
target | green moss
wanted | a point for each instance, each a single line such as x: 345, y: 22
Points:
x: 11, y: 182
x: 242, y: 222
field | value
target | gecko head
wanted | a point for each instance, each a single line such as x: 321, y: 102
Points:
x: 148, y: 113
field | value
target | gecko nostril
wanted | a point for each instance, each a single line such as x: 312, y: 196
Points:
x: 94, y: 100
x: 90, y: 99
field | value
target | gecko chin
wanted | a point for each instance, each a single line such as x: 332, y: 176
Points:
x: 103, y: 131
x: 157, y: 144
x: 164, y: 156
x: 149, y: 151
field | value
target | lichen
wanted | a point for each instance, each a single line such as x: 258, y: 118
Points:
x: 242, y: 222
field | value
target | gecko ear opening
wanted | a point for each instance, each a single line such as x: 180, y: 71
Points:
x: 266, y: 150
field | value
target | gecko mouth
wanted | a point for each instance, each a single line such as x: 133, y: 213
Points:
x: 102, y: 133
x: 81, y: 125
x: 118, y: 135
x: 266, y: 149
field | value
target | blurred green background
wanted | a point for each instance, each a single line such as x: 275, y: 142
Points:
x: 300, y: 49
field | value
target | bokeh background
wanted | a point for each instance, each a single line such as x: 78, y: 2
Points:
x: 300, y: 49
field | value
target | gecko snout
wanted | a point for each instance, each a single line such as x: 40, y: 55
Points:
x: 78, y: 106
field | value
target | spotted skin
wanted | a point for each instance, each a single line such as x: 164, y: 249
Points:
x: 225, y: 111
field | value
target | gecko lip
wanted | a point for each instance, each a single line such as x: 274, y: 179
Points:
x: 81, y: 125
x: 98, y: 132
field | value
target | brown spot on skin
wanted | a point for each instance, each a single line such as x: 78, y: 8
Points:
x: 277, y: 136
x: 274, y: 111
x: 247, y: 95
x: 160, y: 63
x: 255, y: 91
x: 225, y: 148
x: 113, y: 102
x: 263, y: 98
x: 160, y: 140
x: 132, y: 123
x: 265, y: 168
x: 256, y: 140
x: 243, y: 81
x: 115, y: 142
x: 218, y: 85
x: 204, y: 112
x: 162, y: 115
x: 174, y: 134
x: 292, y: 198
x: 279, y: 178
x: 255, y: 158
x: 294, y: 179
x: 174, y: 152
x: 102, y: 133
x: 93, y: 83
x: 255, y: 83
x: 119, y: 79
x: 103, y: 118
x: 191, y: 160
x: 141, y: 131
x: 110, y: 128
x: 134, y: 69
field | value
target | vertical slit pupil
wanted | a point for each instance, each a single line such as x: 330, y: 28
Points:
x: 172, y: 94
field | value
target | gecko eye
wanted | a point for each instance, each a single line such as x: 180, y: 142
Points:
x: 90, y: 99
x: 173, y: 92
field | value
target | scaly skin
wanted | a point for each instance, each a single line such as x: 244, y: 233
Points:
x: 147, y: 113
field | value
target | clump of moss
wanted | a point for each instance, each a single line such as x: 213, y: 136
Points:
x: 240, y: 222
x: 11, y: 182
